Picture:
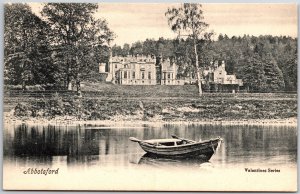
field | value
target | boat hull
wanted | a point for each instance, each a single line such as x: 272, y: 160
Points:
x: 203, y: 150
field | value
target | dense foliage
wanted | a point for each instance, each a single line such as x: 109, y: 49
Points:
x: 26, y: 55
x: 265, y: 63
x: 61, y: 47
x: 67, y: 43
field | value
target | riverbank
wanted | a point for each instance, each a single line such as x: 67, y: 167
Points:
x: 73, y: 121
x: 116, y: 105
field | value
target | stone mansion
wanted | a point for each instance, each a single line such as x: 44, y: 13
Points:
x: 147, y: 70
x: 140, y: 70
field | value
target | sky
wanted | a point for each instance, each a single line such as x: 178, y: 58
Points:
x: 132, y: 22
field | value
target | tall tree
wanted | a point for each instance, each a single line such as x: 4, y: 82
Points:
x: 188, y: 20
x: 26, y: 56
x: 253, y: 75
x: 149, y: 47
x: 136, y: 48
x: 274, y: 76
x: 76, y: 34
x: 290, y: 73
x: 184, y: 57
x: 165, y: 47
x: 126, y: 49
x: 117, y: 50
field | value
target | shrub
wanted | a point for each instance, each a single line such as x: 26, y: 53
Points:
x: 22, y: 109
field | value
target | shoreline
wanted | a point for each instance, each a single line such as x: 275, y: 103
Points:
x: 216, y: 110
x: 71, y: 121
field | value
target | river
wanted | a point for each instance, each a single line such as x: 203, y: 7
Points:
x: 98, y: 157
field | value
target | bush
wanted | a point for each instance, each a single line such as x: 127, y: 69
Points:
x: 22, y: 109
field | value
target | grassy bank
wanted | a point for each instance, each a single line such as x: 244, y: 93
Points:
x: 154, y: 103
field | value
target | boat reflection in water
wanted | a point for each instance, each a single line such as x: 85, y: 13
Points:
x: 161, y: 162
x: 179, y: 147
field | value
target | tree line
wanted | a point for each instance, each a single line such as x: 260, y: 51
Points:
x: 66, y: 43
x: 265, y: 63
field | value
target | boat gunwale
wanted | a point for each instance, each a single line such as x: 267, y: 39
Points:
x: 176, y: 146
x: 153, y: 141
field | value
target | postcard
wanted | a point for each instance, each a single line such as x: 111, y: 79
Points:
x: 150, y: 97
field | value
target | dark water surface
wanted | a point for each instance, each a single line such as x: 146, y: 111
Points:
x: 102, y: 158
x: 87, y: 145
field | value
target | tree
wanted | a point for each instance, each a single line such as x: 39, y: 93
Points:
x: 27, y: 59
x: 136, y: 48
x: 188, y: 20
x: 253, y: 74
x: 184, y: 56
x: 220, y: 37
x: 76, y: 34
x: 165, y: 47
x: 149, y: 47
x: 290, y: 73
x: 126, y: 49
x: 117, y: 50
x: 274, y: 76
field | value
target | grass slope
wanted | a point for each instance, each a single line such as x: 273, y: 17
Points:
x: 171, y: 103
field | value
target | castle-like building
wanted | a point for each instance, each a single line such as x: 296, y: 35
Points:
x: 217, y: 79
x: 140, y: 70
x: 218, y: 75
x: 149, y: 70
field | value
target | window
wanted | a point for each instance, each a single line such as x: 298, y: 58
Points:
x: 125, y: 74
x: 169, y: 75
x: 143, y: 75
x: 149, y: 75
x: 116, y: 66
x: 133, y: 75
x: 116, y: 77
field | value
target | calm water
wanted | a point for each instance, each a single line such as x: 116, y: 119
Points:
x: 94, y: 149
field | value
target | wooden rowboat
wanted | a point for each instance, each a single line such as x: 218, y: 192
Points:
x: 179, y: 147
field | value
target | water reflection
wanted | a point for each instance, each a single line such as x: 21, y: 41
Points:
x: 151, y: 160
x: 100, y: 145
